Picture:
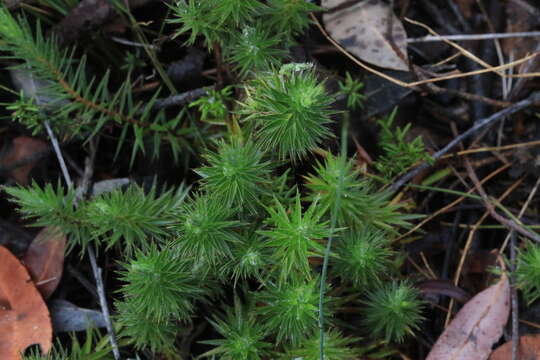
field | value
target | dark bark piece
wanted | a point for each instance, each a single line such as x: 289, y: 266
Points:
x: 187, y: 68
x: 88, y: 16
x: 443, y: 287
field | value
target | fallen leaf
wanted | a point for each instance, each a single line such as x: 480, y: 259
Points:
x: 44, y: 260
x: 68, y: 317
x: 529, y: 349
x: 23, y: 155
x: 363, y: 28
x: 476, y: 327
x: 24, y: 317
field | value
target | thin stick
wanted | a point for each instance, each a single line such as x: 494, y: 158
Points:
x: 492, y: 148
x: 510, y: 224
x: 96, y: 270
x: 521, y: 213
x: 59, y: 156
x: 181, y: 99
x: 532, y: 99
x: 470, y: 37
x: 103, y: 302
x: 461, y: 49
x: 85, y: 187
x: 133, y: 43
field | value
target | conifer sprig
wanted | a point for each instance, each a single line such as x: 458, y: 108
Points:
x: 93, y: 347
x: 146, y: 333
x: 236, y: 173
x: 243, y: 336
x: 294, y: 236
x: 195, y: 17
x: 254, y: 49
x: 393, y: 311
x: 360, y: 204
x: 399, y: 152
x: 528, y: 272
x: 72, y: 95
x: 290, y: 17
x: 363, y: 257
x: 291, y: 311
x: 131, y: 217
x: 160, y: 285
x: 47, y: 206
x: 289, y: 111
x: 336, y: 347
x: 250, y: 259
x: 206, y: 229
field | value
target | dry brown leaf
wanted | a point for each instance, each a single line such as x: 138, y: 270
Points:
x: 363, y: 30
x: 476, y: 327
x: 44, y: 260
x: 23, y: 149
x: 24, y: 317
x: 529, y: 349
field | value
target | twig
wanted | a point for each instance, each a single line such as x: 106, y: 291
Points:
x: 58, y: 153
x: 532, y: 99
x: 103, y: 302
x: 508, y: 223
x: 96, y: 270
x: 470, y: 37
x: 181, y: 99
x: 469, y: 96
x: 133, y: 43
x: 85, y: 185
x: 521, y: 213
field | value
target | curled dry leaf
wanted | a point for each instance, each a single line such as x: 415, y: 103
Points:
x: 363, y: 29
x: 44, y: 260
x: 24, y: 317
x: 529, y: 349
x: 476, y: 327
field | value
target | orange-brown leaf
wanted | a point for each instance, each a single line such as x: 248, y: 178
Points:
x: 529, y: 349
x: 24, y: 317
x: 44, y: 260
